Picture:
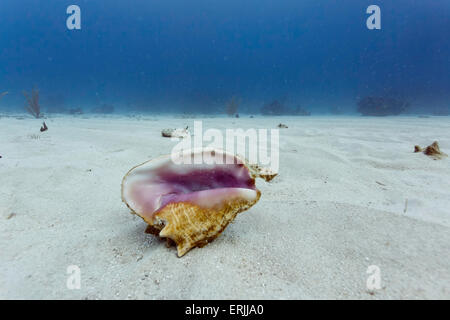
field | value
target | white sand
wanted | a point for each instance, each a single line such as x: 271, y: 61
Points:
x: 336, y: 208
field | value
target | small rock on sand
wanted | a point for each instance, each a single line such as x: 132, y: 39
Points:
x: 175, y: 133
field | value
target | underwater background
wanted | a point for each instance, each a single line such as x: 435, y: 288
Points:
x: 179, y: 56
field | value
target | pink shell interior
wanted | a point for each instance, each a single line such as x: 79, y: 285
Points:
x: 205, y: 186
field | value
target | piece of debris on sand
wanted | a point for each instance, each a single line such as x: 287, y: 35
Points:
x: 175, y: 133
x: 11, y: 215
x: 282, y: 125
x: 432, y: 151
x: 44, y: 127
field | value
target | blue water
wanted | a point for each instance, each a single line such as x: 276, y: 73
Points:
x: 193, y: 56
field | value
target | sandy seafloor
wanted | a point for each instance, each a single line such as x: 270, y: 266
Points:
x: 337, y: 207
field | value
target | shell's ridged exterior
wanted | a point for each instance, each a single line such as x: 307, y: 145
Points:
x: 191, y: 219
x: 190, y: 226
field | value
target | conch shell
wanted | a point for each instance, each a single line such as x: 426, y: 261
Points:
x: 191, y: 202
